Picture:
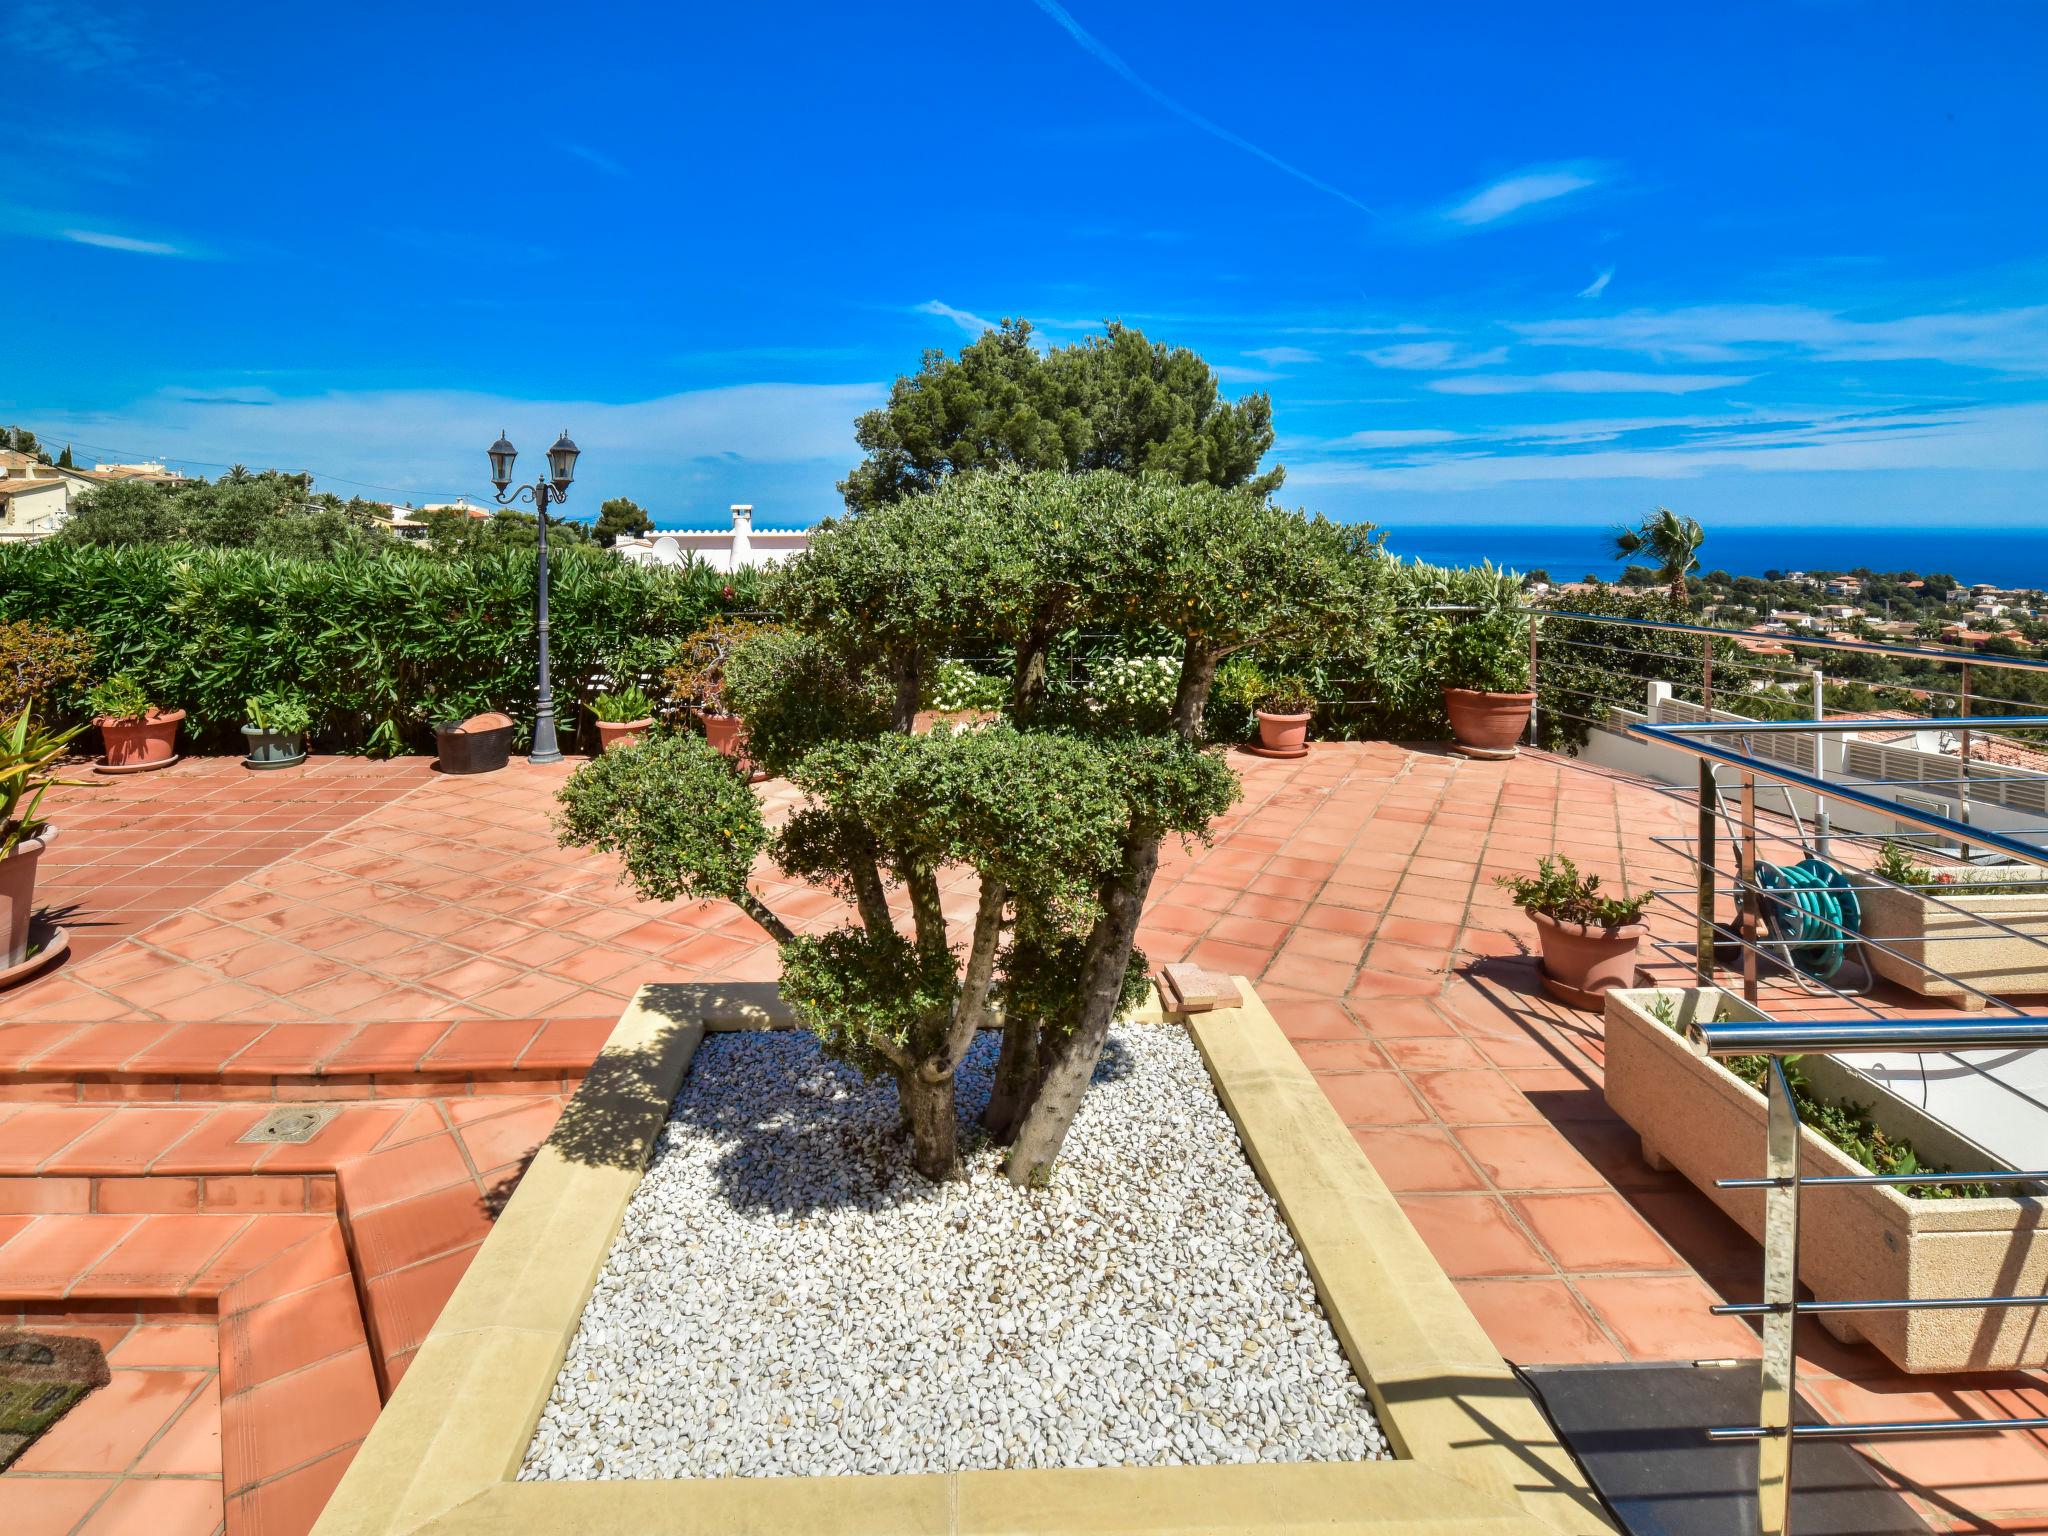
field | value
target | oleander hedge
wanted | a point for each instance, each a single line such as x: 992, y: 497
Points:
x: 375, y: 643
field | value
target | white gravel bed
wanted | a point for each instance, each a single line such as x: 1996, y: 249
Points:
x: 788, y: 1296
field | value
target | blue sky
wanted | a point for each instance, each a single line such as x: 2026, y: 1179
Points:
x: 1494, y: 263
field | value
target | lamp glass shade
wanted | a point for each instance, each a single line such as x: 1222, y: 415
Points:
x: 562, y: 461
x: 502, y: 454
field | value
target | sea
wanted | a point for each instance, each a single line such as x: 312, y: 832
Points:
x: 2006, y: 557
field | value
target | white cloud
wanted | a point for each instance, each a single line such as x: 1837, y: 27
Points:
x: 1101, y: 51
x: 78, y: 229
x: 2014, y: 340
x: 1231, y: 374
x: 597, y: 158
x: 1275, y: 357
x: 1431, y: 355
x: 431, y: 442
x: 1514, y: 194
x: 2010, y: 438
x: 971, y: 323
x: 1591, y: 381
x: 108, y: 242
x: 1395, y: 437
x: 1598, y: 286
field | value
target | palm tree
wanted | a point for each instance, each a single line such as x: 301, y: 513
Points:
x: 238, y: 474
x: 1672, y: 541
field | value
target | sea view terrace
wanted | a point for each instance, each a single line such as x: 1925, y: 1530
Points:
x: 406, y: 969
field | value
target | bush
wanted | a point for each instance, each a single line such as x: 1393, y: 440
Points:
x: 370, y: 642
x: 956, y: 686
x: 42, y: 668
x: 120, y: 697
x: 282, y: 714
x: 622, y: 707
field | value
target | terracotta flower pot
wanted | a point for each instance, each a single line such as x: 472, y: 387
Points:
x: 18, y: 896
x: 621, y: 733
x: 1487, y: 724
x: 1283, y: 733
x: 728, y: 733
x: 1580, y: 963
x: 131, y: 743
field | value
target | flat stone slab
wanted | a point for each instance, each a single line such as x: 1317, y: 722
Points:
x: 42, y: 1378
x: 787, y: 1296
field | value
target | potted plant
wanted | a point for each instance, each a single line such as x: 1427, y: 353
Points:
x: 276, y: 732
x: 1983, y: 925
x: 1588, y: 940
x: 1284, y: 708
x: 622, y: 717
x: 468, y: 741
x: 28, y: 755
x: 137, y: 734
x: 1486, y: 681
x: 696, y: 678
x: 1706, y: 1118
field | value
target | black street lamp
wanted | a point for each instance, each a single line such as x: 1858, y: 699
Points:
x: 551, y: 487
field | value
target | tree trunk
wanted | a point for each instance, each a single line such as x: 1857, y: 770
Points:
x: 1066, y: 1077
x: 934, y: 1134
x: 1197, y: 673
x: 1016, y: 1077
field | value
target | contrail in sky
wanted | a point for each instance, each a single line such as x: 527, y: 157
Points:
x: 1094, y: 45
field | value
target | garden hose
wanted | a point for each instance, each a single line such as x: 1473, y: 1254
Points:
x: 1810, y: 908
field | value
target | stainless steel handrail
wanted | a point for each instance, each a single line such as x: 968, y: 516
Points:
x: 1859, y: 647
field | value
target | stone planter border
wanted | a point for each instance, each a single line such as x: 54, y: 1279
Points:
x: 1475, y: 1452
x: 1992, y: 961
x: 1856, y: 1243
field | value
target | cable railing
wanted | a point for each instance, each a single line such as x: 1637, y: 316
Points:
x: 1766, y: 789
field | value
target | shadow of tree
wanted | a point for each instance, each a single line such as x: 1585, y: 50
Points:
x: 499, y: 1195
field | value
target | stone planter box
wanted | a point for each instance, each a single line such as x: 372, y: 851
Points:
x: 1856, y: 1243
x: 1472, y: 1449
x: 1922, y: 933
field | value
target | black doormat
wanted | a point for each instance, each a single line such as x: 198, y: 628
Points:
x: 42, y: 1377
x: 1640, y: 1431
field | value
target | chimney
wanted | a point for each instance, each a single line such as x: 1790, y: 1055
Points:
x: 742, y: 534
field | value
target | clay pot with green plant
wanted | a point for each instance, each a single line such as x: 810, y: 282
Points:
x: 276, y: 732
x: 136, y: 733
x: 28, y: 758
x: 623, y: 717
x: 1588, y: 940
x: 695, y: 677
x: 1486, y: 680
x: 1284, y: 708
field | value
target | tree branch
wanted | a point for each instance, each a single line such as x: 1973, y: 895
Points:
x: 971, y: 1011
x: 776, y: 928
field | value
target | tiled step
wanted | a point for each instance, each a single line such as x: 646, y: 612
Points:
x: 186, y: 1063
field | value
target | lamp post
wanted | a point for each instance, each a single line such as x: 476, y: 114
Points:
x: 551, y: 487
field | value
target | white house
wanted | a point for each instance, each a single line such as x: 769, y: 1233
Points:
x: 729, y: 549
x: 31, y: 507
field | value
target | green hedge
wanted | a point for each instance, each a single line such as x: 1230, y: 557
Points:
x: 374, y: 643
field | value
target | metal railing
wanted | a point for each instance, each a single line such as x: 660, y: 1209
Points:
x: 1775, y: 1432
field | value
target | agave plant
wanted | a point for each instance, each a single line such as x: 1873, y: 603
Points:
x: 28, y: 753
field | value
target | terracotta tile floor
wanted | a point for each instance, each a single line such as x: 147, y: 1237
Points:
x: 146, y: 1457
x: 1354, y: 887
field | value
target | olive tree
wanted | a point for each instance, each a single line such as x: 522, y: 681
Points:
x: 1059, y: 809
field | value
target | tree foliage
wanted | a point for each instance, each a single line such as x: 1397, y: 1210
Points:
x: 621, y: 514
x: 277, y: 514
x: 1058, y: 806
x: 1115, y: 402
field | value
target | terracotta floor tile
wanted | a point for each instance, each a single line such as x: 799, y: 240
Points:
x: 1352, y: 1055
x: 1372, y: 1098
x: 1472, y: 1235
x: 182, y: 1343
x: 1665, y: 1317
x: 292, y: 1502
x: 50, y: 1506
x: 1537, y: 1321
x: 162, y: 1255
x: 161, y: 1506
x: 192, y: 1442
x: 1594, y: 1231
x: 1419, y: 1158
x: 1474, y: 1097
x: 1433, y: 1053
x: 112, y: 1428
x: 1532, y: 1157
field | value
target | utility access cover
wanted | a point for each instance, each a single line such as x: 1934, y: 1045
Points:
x: 42, y: 1375
x: 293, y: 1122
